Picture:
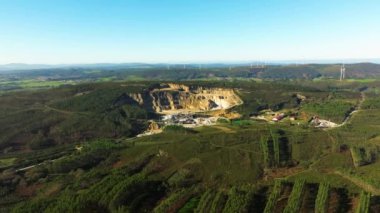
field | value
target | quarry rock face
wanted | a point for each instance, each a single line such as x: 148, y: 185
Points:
x: 177, y: 98
x: 137, y: 97
x: 153, y: 126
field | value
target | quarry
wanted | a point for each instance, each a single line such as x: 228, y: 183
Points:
x: 321, y: 123
x: 170, y: 98
x: 189, y: 120
x: 188, y: 106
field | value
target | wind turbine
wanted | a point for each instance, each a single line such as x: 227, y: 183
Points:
x: 342, y: 72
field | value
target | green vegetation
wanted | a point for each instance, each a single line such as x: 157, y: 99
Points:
x: 60, y: 116
x: 238, y: 201
x: 363, y: 206
x: 7, y: 162
x: 113, y: 191
x: 178, y: 129
x: 276, y: 148
x: 205, y: 200
x: 294, y: 201
x: 265, y: 151
x: 218, y: 202
x: 371, y: 103
x: 90, y: 155
x: 322, y: 197
x: 190, y: 205
x: 357, y: 73
x: 274, y: 195
x: 174, y: 201
x: 73, y: 148
x: 335, y: 110
x: 362, y: 156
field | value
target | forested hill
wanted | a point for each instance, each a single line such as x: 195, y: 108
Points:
x: 12, y: 79
x: 54, y: 77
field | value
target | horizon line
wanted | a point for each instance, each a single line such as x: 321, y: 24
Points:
x: 278, y: 61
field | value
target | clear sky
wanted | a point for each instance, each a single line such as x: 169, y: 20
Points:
x: 95, y: 31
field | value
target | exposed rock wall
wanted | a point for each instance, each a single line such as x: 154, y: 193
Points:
x: 137, y: 97
x: 175, y: 98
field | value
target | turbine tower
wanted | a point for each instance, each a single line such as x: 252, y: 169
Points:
x: 342, y: 72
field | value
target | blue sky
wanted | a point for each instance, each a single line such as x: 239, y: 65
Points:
x: 95, y: 31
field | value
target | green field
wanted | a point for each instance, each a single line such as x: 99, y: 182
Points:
x: 7, y: 162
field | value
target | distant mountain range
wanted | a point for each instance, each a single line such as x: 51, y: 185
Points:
x: 21, y: 66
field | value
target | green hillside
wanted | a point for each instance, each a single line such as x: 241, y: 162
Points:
x: 73, y: 149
